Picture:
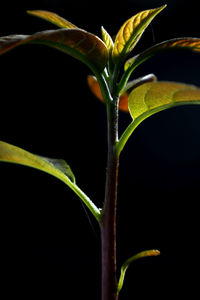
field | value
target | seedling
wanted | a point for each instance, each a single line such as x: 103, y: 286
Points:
x: 140, y: 97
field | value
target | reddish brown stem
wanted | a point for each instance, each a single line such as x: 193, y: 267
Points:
x: 108, y: 225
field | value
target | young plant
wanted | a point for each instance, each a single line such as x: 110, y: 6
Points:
x: 140, y: 97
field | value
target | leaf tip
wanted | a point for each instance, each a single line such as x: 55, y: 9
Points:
x: 154, y: 252
x: 159, y: 9
x: 163, y: 7
x: 30, y: 12
x: 143, y: 254
x: 102, y: 30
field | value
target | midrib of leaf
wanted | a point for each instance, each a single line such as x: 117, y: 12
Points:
x: 145, y: 98
x: 135, y: 36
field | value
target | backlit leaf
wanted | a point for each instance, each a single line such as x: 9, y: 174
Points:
x: 130, y: 85
x: 173, y: 44
x: 123, y: 99
x: 131, y: 31
x: 95, y: 88
x: 123, y: 102
x: 153, y: 97
x: 127, y: 263
x: 55, y: 167
x: 52, y: 18
x: 107, y: 39
x: 82, y: 45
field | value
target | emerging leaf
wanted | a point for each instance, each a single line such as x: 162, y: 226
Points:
x: 127, y: 263
x: 52, y: 18
x: 82, y: 45
x: 173, y: 44
x: 153, y: 97
x: 107, y: 39
x: 131, y: 31
x: 95, y: 88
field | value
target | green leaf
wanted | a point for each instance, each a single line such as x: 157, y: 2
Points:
x: 82, y: 45
x: 55, y: 167
x: 52, y: 18
x: 132, y: 259
x: 109, y: 43
x: 131, y: 31
x: 189, y: 43
x: 107, y: 39
x: 153, y: 97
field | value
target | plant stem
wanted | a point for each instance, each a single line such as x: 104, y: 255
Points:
x: 108, y: 223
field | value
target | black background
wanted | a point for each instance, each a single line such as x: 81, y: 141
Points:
x: 49, y: 248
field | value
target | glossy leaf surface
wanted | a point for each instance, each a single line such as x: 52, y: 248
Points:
x: 192, y: 44
x: 131, y: 31
x: 82, y: 45
x: 95, y: 88
x: 55, y: 167
x: 52, y: 18
x: 153, y: 97
x: 132, y: 259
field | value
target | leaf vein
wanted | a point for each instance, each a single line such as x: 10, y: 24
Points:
x: 91, y: 50
x: 79, y: 43
x: 145, y: 94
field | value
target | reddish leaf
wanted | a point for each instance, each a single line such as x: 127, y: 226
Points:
x: 95, y: 88
x: 173, y: 44
x: 82, y: 45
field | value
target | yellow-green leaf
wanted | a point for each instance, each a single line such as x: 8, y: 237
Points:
x: 82, y: 45
x: 107, y: 39
x: 189, y: 43
x: 52, y: 18
x: 55, y: 167
x: 135, y: 257
x: 131, y: 31
x: 153, y: 97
